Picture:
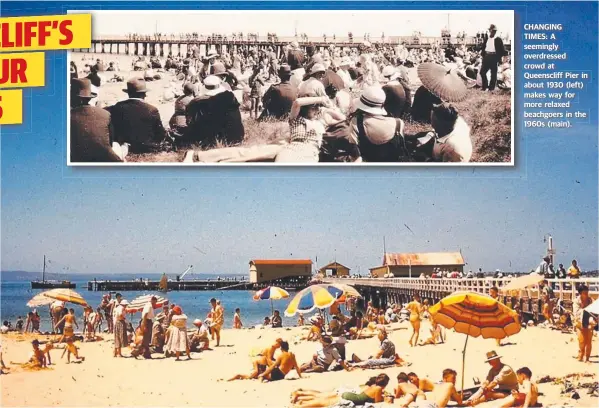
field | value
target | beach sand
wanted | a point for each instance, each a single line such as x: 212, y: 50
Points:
x: 102, y: 380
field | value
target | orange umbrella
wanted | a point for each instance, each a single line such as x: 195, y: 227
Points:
x: 475, y: 314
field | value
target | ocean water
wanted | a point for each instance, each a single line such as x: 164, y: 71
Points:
x: 14, y: 296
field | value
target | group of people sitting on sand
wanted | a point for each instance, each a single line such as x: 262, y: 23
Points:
x: 504, y: 386
x: 314, y: 90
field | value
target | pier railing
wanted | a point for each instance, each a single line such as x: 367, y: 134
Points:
x: 563, y: 288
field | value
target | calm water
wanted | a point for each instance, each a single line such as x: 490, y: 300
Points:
x: 15, y: 295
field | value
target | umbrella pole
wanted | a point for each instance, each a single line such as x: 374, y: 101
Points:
x: 272, y: 309
x: 464, y: 363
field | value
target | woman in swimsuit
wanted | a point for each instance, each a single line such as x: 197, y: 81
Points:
x: 69, y: 320
x: 415, y: 309
x: 372, y: 393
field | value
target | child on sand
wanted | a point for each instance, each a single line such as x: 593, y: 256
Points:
x: 37, y: 359
x: 71, y: 349
x: 528, y: 393
x: 237, y: 324
x: 437, y: 335
x: 300, y: 320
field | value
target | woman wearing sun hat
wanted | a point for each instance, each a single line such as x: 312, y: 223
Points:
x: 377, y: 135
x: 307, y: 125
x: 177, y: 342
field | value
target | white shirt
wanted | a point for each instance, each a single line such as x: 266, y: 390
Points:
x: 148, y: 312
x: 119, y: 311
x: 455, y: 146
x: 490, y: 45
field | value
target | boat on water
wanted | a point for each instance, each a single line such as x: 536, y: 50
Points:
x: 51, y: 284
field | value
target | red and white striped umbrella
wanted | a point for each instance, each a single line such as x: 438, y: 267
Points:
x: 138, y: 304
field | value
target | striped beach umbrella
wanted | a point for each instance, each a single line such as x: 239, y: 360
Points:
x: 138, y: 304
x: 313, y: 297
x: 475, y: 314
x: 271, y: 293
x: 64, y: 295
x: 522, y: 282
x: 346, y: 291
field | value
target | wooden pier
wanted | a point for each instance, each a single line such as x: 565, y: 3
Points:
x: 385, y: 291
x: 187, y: 285
x: 178, y: 46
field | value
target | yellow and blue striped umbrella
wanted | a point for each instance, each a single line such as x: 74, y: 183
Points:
x: 315, y: 296
x: 272, y: 293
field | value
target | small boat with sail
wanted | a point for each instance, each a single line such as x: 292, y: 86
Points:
x: 51, y: 284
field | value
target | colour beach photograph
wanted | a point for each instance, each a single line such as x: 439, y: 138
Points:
x: 293, y: 88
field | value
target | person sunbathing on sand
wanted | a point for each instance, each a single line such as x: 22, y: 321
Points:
x: 264, y: 360
x: 281, y: 367
x: 71, y: 349
x: 437, y: 335
x: 316, y: 329
x: 406, y: 392
x: 384, y: 356
x: 372, y: 392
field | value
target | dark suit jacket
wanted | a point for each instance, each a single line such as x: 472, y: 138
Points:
x: 137, y: 123
x: 215, y: 119
x: 91, y: 135
x: 396, y: 101
x: 278, y: 100
x: 499, y: 48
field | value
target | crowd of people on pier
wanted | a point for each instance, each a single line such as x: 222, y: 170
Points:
x: 341, y: 104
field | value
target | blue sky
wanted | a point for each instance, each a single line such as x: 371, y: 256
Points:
x: 162, y: 219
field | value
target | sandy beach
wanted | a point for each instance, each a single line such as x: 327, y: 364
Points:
x: 102, y: 380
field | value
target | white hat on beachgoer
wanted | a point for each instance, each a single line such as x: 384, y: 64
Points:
x: 390, y: 72
x: 294, y: 44
x: 212, y: 86
x: 345, y: 61
x: 212, y: 54
x: 372, y: 100
x: 317, y: 68
x: 314, y: 319
x: 197, y: 322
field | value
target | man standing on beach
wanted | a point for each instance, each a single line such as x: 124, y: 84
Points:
x: 493, y: 52
x: 147, y: 317
x: 218, y: 319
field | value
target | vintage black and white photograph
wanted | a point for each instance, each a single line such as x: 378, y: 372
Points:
x: 293, y: 88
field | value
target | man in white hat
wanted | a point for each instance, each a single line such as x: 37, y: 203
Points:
x: 312, y: 85
x: 375, y: 133
x: 198, y: 340
x: 343, y: 72
x: 500, y: 382
x: 214, y: 115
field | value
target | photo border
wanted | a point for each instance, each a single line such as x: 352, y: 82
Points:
x: 514, y: 43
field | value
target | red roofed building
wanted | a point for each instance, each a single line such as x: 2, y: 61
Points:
x: 406, y: 265
x: 280, y: 270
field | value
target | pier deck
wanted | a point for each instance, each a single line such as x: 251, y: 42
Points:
x: 383, y: 291
x: 184, y: 285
